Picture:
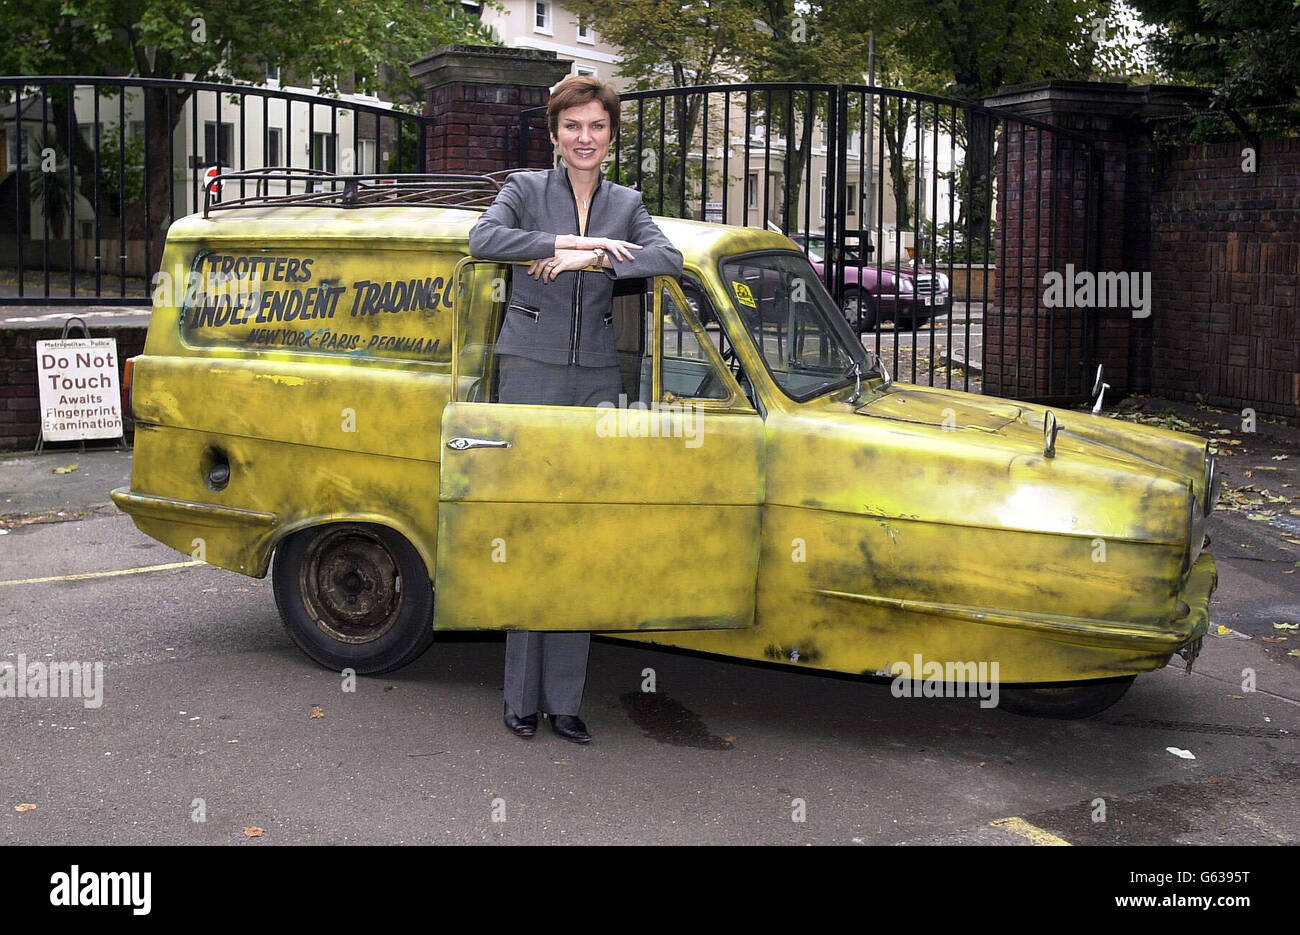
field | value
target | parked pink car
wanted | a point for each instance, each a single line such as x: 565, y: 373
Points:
x: 908, y: 299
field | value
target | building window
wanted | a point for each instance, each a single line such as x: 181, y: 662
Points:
x: 324, y: 152
x: 272, y: 155
x: 365, y: 157
x: 585, y: 70
x: 272, y: 72
x: 751, y: 191
x: 852, y: 209
x: 542, y: 16
x: 214, y: 155
x: 586, y: 34
x: 824, y: 206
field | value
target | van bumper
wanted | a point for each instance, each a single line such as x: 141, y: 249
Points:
x: 225, y: 536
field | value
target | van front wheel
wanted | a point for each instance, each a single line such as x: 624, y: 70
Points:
x: 354, y: 596
x: 1068, y: 700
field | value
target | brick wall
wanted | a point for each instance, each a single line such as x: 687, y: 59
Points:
x: 19, y: 400
x: 1032, y: 351
x: 1225, y: 257
x: 475, y: 128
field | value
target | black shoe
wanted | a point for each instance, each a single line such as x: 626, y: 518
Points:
x: 521, y: 726
x: 570, y: 727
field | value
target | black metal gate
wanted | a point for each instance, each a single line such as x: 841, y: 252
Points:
x: 932, y: 221
x: 93, y: 169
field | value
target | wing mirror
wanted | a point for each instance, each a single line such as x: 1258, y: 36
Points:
x: 1099, y: 389
x: 1051, y: 428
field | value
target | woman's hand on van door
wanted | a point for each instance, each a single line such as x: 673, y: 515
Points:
x: 618, y: 249
x: 564, y: 261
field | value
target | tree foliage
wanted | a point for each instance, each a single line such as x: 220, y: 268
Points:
x: 216, y: 40
x: 1248, y: 54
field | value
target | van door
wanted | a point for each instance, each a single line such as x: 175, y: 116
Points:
x: 642, y: 514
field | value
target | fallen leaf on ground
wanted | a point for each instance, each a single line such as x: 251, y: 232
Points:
x: 1286, y: 626
x: 1294, y: 652
x: 317, y: 711
x: 252, y: 831
x: 1227, y: 633
x: 1273, y: 639
x: 66, y: 469
x: 1184, y: 754
x: 25, y: 807
x: 1280, y: 457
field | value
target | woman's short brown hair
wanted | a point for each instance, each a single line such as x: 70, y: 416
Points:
x: 576, y: 90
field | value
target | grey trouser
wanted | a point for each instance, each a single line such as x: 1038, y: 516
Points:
x: 548, y: 671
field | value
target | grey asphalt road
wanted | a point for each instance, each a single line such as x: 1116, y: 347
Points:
x: 206, y: 712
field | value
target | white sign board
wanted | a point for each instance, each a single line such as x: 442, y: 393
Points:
x: 713, y: 212
x: 80, y: 394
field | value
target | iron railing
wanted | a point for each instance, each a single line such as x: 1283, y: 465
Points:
x: 110, y: 162
x: 904, y: 198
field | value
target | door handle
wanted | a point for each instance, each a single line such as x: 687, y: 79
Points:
x: 460, y: 444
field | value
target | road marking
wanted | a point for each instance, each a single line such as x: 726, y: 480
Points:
x: 1035, y: 834
x: 85, y: 576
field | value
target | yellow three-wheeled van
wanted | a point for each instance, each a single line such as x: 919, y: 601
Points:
x: 316, y: 398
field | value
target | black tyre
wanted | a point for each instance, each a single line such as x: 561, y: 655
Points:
x: 1066, y: 700
x: 354, y: 595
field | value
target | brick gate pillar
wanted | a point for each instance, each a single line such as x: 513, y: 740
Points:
x: 474, y: 96
x: 1056, y: 206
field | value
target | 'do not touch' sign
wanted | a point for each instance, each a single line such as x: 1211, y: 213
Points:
x: 80, y: 397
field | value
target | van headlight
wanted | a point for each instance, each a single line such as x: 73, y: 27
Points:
x: 1195, y: 534
x: 1213, y: 481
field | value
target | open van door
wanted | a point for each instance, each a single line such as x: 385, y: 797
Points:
x: 642, y: 514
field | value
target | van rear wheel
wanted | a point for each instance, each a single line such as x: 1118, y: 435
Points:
x: 354, y: 596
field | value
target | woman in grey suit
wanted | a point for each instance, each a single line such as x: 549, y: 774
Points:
x: 557, y: 341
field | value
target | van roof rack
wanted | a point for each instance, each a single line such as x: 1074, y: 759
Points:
x: 315, y: 187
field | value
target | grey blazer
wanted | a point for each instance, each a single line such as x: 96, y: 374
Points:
x: 570, y: 320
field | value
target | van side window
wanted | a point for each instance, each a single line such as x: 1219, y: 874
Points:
x: 687, y: 370
x: 698, y: 300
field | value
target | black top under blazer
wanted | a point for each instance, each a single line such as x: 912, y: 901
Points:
x: 522, y: 223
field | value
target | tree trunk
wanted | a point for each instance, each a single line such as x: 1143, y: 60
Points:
x: 978, y: 181
x: 894, y: 130
x: 149, y: 217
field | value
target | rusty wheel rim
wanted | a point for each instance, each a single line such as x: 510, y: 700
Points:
x: 351, y: 584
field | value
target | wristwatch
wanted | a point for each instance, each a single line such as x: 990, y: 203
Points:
x: 600, y: 255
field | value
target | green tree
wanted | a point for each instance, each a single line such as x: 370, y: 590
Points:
x: 670, y: 43
x: 215, y: 40
x: 968, y: 49
x: 1247, y: 53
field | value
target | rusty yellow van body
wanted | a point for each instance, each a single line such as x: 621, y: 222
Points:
x: 323, y: 396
